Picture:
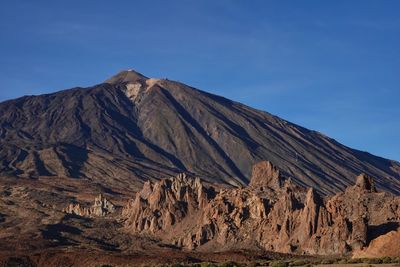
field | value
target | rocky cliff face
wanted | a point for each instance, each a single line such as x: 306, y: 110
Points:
x: 165, y: 203
x: 100, y: 207
x: 272, y: 212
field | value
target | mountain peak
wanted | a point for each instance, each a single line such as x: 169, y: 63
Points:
x: 168, y: 128
x: 126, y: 76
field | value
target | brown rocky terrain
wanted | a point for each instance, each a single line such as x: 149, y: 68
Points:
x: 104, y: 175
x: 271, y: 213
x: 181, y: 219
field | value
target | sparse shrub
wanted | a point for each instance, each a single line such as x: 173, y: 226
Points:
x: 264, y: 263
x: 204, y: 264
x: 253, y: 264
x: 299, y: 263
x: 387, y: 260
x: 364, y: 260
x: 341, y: 261
x: 316, y: 261
x: 373, y: 261
x: 230, y: 264
x: 327, y: 261
x: 355, y: 261
x: 279, y: 264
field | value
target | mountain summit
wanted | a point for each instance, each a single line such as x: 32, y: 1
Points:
x: 126, y: 76
x: 132, y: 128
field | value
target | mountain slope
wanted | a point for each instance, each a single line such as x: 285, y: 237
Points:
x: 132, y: 128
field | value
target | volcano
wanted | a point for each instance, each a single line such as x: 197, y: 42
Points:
x: 131, y: 128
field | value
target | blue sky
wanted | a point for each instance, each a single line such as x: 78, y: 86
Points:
x: 331, y: 66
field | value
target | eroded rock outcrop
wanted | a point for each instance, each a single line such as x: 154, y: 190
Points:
x: 387, y: 244
x: 163, y: 204
x: 272, y: 213
x: 266, y: 175
x: 366, y: 183
x: 100, y: 207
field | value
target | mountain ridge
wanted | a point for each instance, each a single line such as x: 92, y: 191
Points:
x: 144, y: 128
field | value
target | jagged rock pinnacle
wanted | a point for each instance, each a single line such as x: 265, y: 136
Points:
x: 182, y: 212
x: 101, y: 207
x: 365, y: 183
x: 265, y: 174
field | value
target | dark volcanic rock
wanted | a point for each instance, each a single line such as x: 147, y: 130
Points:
x: 132, y: 129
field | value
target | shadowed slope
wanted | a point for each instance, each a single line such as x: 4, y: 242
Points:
x: 132, y: 128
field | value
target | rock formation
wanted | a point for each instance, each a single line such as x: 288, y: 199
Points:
x: 100, y: 207
x: 272, y: 212
x: 387, y: 244
x: 265, y: 175
x: 365, y: 182
x: 165, y: 203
